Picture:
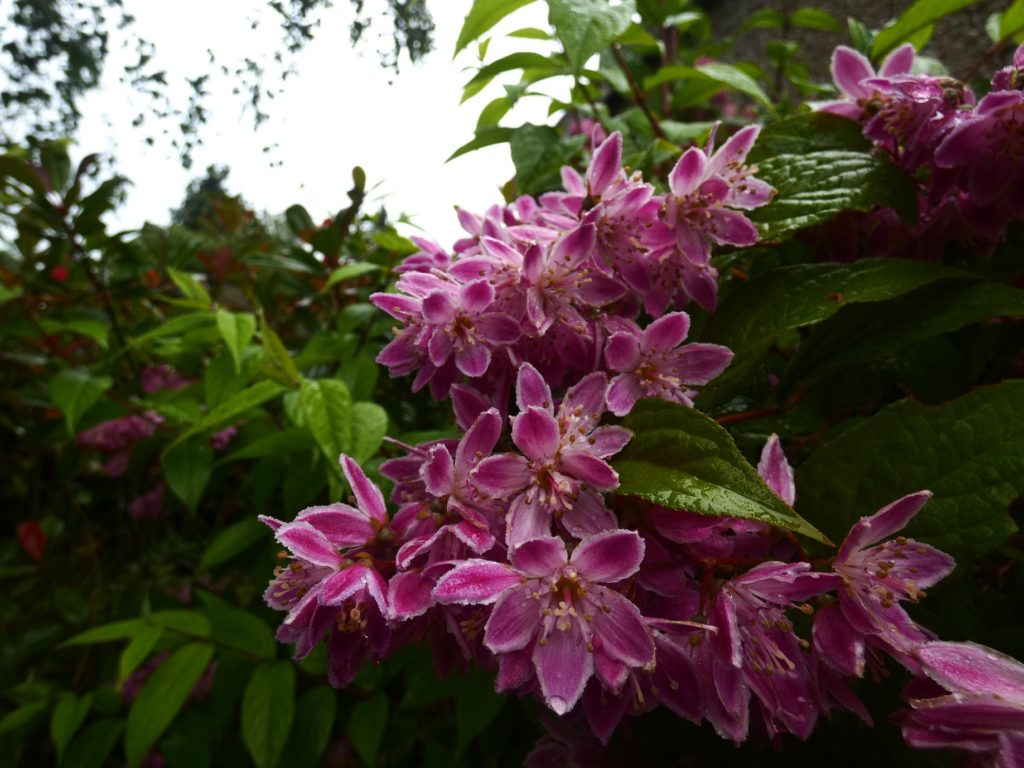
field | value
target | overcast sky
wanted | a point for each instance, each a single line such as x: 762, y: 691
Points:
x: 341, y: 109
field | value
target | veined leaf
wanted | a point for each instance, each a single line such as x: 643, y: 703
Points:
x: 187, y: 468
x: 237, y: 329
x: 327, y: 407
x: 74, y: 392
x: 268, y: 707
x: 586, y: 27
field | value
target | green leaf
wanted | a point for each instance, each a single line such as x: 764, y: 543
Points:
x: 482, y: 16
x: 187, y: 468
x: 1012, y: 22
x: 237, y: 329
x: 366, y: 727
x: 737, y: 79
x: 921, y: 14
x: 586, y: 27
x: 299, y: 221
x: 484, y: 137
x: 350, y: 272
x: 369, y: 426
x: 74, y: 392
x: 314, y: 720
x: 969, y: 452
x: 9, y: 292
x: 232, y: 541
x: 173, y: 326
x: 233, y: 408
x: 187, y: 623
x: 93, y: 329
x: 24, y: 716
x: 390, y: 240
x: 193, y: 291
x: 137, y: 650
x: 815, y: 18
x: 755, y: 313
x: 522, y: 60
x: 538, y: 153
x: 68, y: 715
x: 476, y: 707
x: 94, y: 744
x: 681, y: 459
x: 162, y: 697
x: 280, y: 366
x: 242, y: 632
x: 327, y: 407
x: 275, y: 444
x: 530, y: 33
x: 821, y: 164
x: 105, y: 633
x: 859, y: 335
x: 267, y: 710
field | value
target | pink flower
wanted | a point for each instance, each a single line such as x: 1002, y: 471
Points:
x: 149, y: 505
x: 562, y: 469
x: 651, y: 362
x: 555, y: 607
x: 154, y: 378
x: 849, y: 71
x: 983, y: 711
x: 221, y: 440
x: 876, y: 578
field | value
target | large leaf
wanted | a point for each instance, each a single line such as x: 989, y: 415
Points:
x: 865, y: 333
x: 187, y: 468
x: 231, y: 409
x: 268, y: 707
x: 476, y: 707
x: 314, y: 720
x: 274, y: 444
x: 482, y: 16
x: 366, y: 727
x: 586, y: 27
x: 327, y: 406
x: 755, y: 313
x: 921, y: 14
x: 74, y: 392
x: 68, y: 715
x: 237, y: 329
x: 232, y: 541
x: 369, y: 426
x: 242, y: 632
x: 821, y: 164
x: 280, y: 366
x: 969, y: 452
x: 137, y: 650
x: 538, y: 153
x: 680, y: 459
x: 162, y: 697
x: 194, y: 292
x: 738, y: 80
x: 92, y: 746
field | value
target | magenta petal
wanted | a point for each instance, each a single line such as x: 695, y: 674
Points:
x: 343, y: 525
x: 609, y: 440
x: 526, y: 520
x: 848, y: 69
x: 599, y: 290
x: 610, y: 556
x: 590, y: 469
x: 271, y: 522
x: 479, y: 439
x: 839, y: 644
x: 535, y: 433
x: 775, y: 470
x: 475, y: 582
x: 440, y: 346
x: 502, y: 475
x: 368, y: 496
x: 899, y: 62
x: 576, y: 246
x: 735, y: 150
x: 514, y: 669
x: 584, y: 402
x: 563, y: 666
x: 751, y: 193
x: 731, y: 227
x: 498, y: 329
x: 468, y: 404
x: 532, y: 389
x: 340, y: 586
x: 409, y: 595
x: 305, y: 541
x: 676, y: 679
x: 700, y: 363
x: 588, y: 515
x: 605, y: 165
x: 665, y: 333
x: 514, y: 621
x: 438, y: 472
x: 623, y: 393
x: 622, y: 352
x: 687, y: 172
x: 882, y: 524
x: 472, y: 359
x: 438, y: 307
x: 622, y: 632
x: 476, y: 296
x: 539, y: 557
x: 972, y: 668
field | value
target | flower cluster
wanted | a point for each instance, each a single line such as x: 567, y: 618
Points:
x: 966, y: 155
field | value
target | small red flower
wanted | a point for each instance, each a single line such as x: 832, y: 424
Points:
x: 59, y: 274
x: 32, y: 539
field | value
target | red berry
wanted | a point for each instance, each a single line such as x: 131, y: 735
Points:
x: 32, y: 539
x: 59, y: 274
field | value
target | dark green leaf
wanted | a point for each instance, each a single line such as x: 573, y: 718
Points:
x: 366, y: 727
x: 74, y: 392
x: 314, y: 721
x: 92, y: 747
x: 350, y: 272
x: 482, y: 16
x: 237, y: 329
x: 586, y: 27
x: 242, y: 632
x: 821, y: 164
x: 755, y: 313
x: 162, y: 697
x: 327, y: 407
x: 24, y: 717
x: 267, y: 710
x: 299, y: 221
x: 476, y: 706
x: 680, y: 459
x: 138, y: 649
x: 233, y: 408
x: 232, y: 541
x: 538, y: 153
x: 187, y: 468
x: 921, y: 14
x: 275, y: 444
x: 105, y: 633
x: 280, y: 366
x: 484, y: 137
x: 68, y: 715
x: 969, y: 452
x: 173, y: 326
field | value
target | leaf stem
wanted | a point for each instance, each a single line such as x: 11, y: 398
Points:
x: 638, y: 95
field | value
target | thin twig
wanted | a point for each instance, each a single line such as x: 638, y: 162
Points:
x: 638, y: 94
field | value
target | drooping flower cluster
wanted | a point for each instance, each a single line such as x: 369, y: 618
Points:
x: 965, y: 155
x: 538, y: 281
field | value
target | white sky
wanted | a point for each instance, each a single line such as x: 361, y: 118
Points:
x: 336, y: 112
